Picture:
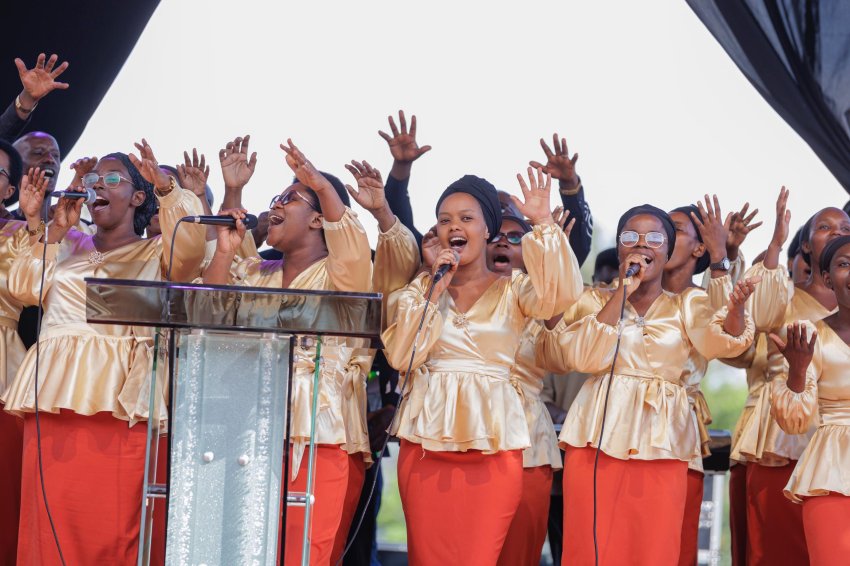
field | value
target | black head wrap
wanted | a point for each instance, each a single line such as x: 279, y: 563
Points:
x: 486, y: 195
x: 666, y: 222
x: 794, y: 246
x: 704, y: 260
x: 526, y: 227
x: 145, y: 211
x: 831, y: 249
x: 335, y: 183
x: 16, y: 169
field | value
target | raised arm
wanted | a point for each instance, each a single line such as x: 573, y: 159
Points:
x: 36, y: 83
x: 794, y: 395
x: 563, y: 167
x: 404, y: 150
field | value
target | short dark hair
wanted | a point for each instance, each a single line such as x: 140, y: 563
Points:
x: 16, y: 168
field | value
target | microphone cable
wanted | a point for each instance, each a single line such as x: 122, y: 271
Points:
x: 404, y: 387
x: 604, y: 414
x: 37, y: 418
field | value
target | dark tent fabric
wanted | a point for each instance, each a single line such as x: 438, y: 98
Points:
x: 796, y: 54
x: 94, y: 36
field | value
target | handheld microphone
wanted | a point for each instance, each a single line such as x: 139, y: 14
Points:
x: 250, y: 221
x: 443, y: 269
x: 633, y: 270
x: 90, y: 196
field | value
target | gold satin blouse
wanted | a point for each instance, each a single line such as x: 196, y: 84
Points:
x: 544, y: 442
x: 648, y: 401
x: 94, y: 368
x: 14, y: 241
x: 463, y: 395
x: 824, y: 465
x: 775, y: 303
x: 347, y: 267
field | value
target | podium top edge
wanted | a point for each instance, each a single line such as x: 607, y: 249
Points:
x: 92, y: 281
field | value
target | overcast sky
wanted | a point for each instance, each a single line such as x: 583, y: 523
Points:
x: 656, y: 110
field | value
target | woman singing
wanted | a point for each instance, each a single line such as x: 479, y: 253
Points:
x: 462, y: 427
x: 93, y: 379
x: 638, y: 497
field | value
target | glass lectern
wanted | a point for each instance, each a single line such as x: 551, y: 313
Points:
x: 219, y: 390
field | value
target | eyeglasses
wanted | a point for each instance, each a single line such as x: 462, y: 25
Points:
x: 3, y: 171
x: 289, y: 197
x: 111, y: 180
x: 630, y: 238
x: 513, y: 238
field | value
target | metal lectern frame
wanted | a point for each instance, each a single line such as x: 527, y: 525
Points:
x: 173, y: 309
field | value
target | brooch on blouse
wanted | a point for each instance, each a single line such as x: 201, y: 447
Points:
x: 460, y: 320
x: 96, y: 257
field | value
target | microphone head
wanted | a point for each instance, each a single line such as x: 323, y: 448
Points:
x: 250, y: 221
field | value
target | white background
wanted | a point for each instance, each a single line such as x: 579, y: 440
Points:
x: 655, y: 108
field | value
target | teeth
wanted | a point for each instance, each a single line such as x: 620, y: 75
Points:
x: 457, y: 241
x: 275, y: 220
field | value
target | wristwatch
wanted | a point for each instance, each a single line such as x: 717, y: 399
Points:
x: 722, y: 265
x: 19, y: 106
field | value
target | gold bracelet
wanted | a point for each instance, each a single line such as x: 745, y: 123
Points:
x: 171, y: 186
x: 571, y: 192
x: 20, y: 106
x: 38, y: 231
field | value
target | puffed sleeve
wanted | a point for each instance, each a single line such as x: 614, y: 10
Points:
x: 794, y: 412
x: 586, y: 346
x: 396, y: 259
x: 409, y: 305
x: 771, y: 297
x: 737, y: 269
x: 553, y: 282
x: 190, y: 240
x: 704, y: 327
x: 25, y: 274
x: 719, y: 289
x: 743, y: 361
x: 349, y: 256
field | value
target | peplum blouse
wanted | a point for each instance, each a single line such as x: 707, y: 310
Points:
x: 97, y: 368
x: 649, y: 414
x: 544, y: 442
x: 347, y: 267
x: 14, y: 241
x: 463, y: 395
x: 775, y: 303
x: 824, y: 465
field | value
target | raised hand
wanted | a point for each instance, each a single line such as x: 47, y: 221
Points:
x: 304, y: 171
x: 33, y: 188
x: 370, y: 187
x: 40, y: 81
x: 742, y: 225
x: 403, y: 145
x: 780, y: 230
x: 430, y: 247
x: 81, y: 167
x: 236, y: 168
x: 712, y: 227
x: 560, y: 215
x: 148, y: 166
x: 230, y: 238
x: 193, y: 174
x: 559, y: 164
x: 742, y: 291
x: 798, y: 351
x: 536, y: 197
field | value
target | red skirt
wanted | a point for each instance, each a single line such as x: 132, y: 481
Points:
x: 93, y: 474
x: 641, y: 505
x: 826, y: 520
x: 11, y: 452
x: 690, y: 523
x: 524, y: 543
x: 458, y: 506
x: 774, y: 524
x: 333, y: 470
x: 738, y: 513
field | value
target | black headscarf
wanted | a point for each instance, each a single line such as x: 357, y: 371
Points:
x: 666, y: 222
x: 145, y: 211
x: 831, y: 249
x: 704, y: 260
x: 523, y: 224
x: 486, y: 195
